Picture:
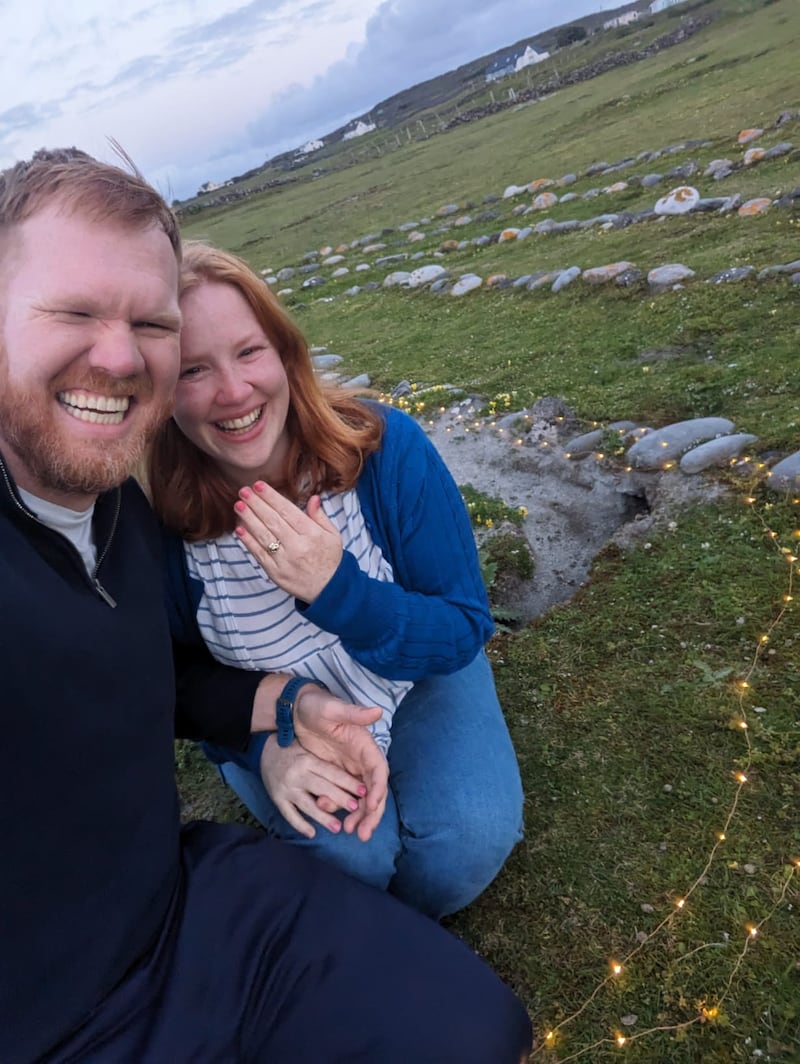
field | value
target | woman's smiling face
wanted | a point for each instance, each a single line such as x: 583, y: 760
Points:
x: 233, y: 394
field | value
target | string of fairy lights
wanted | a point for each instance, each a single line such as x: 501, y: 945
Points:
x: 743, y: 689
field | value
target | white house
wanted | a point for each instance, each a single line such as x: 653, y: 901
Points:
x: 309, y: 146
x: 623, y: 20
x: 662, y: 5
x: 359, y: 129
x: 529, y: 57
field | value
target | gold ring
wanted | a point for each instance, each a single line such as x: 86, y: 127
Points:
x: 274, y: 546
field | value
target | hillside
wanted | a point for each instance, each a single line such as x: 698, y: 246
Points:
x: 458, y: 95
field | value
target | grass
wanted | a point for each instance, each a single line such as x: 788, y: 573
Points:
x: 623, y: 704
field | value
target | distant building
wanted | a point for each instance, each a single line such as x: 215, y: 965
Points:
x: 309, y: 146
x: 529, y: 57
x: 625, y: 19
x: 662, y: 5
x: 212, y: 186
x: 359, y: 129
x: 514, y: 61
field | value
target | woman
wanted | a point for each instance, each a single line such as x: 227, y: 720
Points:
x: 323, y: 537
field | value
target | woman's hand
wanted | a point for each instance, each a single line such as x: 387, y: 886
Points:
x: 304, y: 787
x: 335, y: 731
x: 299, y: 551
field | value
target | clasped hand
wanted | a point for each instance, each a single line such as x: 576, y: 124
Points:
x: 309, y: 547
x: 334, y: 764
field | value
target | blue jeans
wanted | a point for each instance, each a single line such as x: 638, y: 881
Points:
x: 455, y: 798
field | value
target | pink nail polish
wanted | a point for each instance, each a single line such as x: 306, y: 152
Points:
x: 362, y: 790
x: 239, y: 531
x: 245, y: 493
x: 352, y: 805
x: 259, y: 485
x: 239, y: 507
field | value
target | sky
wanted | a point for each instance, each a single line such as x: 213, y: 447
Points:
x: 203, y: 90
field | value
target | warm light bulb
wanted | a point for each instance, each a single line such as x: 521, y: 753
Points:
x: 680, y: 902
x: 753, y: 931
x: 743, y: 725
x: 616, y: 968
x: 621, y: 1040
x: 721, y: 836
x: 741, y: 777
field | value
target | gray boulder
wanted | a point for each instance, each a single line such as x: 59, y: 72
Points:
x: 669, y: 443
x: 717, y: 452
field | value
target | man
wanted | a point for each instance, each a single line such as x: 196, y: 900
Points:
x: 123, y: 937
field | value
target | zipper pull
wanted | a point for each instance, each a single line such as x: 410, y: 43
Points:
x: 104, y: 595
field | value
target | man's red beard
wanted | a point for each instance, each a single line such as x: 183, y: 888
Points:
x: 61, y: 462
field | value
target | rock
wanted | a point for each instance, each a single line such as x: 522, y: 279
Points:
x: 753, y: 155
x: 754, y: 206
x: 565, y: 227
x: 514, y: 190
x: 591, y: 193
x: 732, y: 203
x: 415, y: 237
x: 618, y: 186
x: 425, y: 275
x: 481, y: 241
x: 370, y: 249
x: 325, y: 361
x: 314, y: 282
x: 490, y: 197
x: 508, y: 234
x: 369, y: 238
x: 716, y: 165
x: 417, y: 256
x: 667, y: 444
x: 772, y: 271
x: 672, y: 273
x: 353, y: 291
x: 651, y: 179
x: 363, y: 266
x: 602, y: 274
x: 284, y: 292
x: 778, y: 150
x: 448, y: 208
x: 595, y: 168
x: 539, y: 184
x: 327, y: 250
x: 371, y: 286
x: 581, y: 446
x: 498, y: 280
x: 567, y: 179
x: 342, y: 271
x: 467, y: 283
x: 547, y: 225
x: 388, y: 260
x: 397, y: 278
x: 440, y: 286
x: 524, y: 233
x: 568, y: 197
x: 748, y: 135
x: 680, y: 200
x: 487, y: 216
x: 286, y: 274
x: 407, y: 227
x: 544, y: 201
x: 549, y: 277
x: 732, y: 275
x: 717, y: 452
x: 310, y: 267
x: 449, y: 245
x: 361, y: 381
x: 628, y: 278
x: 711, y: 203
x: 311, y: 256
x: 684, y: 171
x: 462, y: 220
x: 565, y: 278
x: 785, y: 476
x: 522, y: 281
x: 521, y: 208
x: 722, y: 173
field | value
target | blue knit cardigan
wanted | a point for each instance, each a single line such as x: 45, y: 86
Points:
x: 435, y: 617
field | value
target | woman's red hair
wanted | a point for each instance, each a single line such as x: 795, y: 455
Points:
x: 330, y: 431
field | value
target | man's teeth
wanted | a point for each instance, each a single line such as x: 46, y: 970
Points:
x: 97, y: 409
x: 241, y: 422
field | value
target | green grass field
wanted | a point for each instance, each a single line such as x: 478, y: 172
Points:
x: 626, y: 704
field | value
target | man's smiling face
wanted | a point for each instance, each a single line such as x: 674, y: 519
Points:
x: 89, y: 351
